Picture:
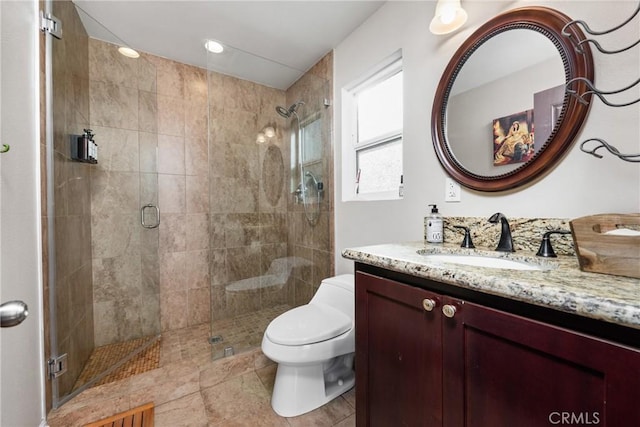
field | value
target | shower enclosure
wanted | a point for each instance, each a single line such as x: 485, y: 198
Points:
x: 205, y: 210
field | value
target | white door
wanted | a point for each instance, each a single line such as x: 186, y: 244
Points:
x: 21, y: 354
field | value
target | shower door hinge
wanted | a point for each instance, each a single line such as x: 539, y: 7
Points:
x: 57, y: 366
x: 50, y: 24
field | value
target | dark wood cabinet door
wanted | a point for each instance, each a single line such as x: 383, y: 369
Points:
x: 398, y: 355
x: 502, y: 370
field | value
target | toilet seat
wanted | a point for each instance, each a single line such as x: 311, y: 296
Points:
x: 308, y: 324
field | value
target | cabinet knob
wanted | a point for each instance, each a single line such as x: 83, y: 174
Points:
x: 428, y: 304
x: 449, y: 310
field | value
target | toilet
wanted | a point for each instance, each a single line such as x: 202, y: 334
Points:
x: 314, y: 347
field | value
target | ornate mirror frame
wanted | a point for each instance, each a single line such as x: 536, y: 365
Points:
x: 578, y: 62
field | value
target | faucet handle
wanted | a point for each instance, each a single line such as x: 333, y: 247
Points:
x: 466, y: 242
x: 546, y: 250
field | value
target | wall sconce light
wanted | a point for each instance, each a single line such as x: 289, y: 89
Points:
x: 269, y: 132
x: 266, y: 134
x: 449, y: 17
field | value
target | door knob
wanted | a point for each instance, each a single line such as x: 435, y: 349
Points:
x: 13, y: 313
x: 428, y: 304
x: 449, y: 310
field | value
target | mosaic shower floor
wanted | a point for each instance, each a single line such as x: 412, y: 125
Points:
x: 102, y: 358
x: 245, y: 331
x: 240, y: 333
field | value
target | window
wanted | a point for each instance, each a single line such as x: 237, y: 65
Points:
x: 374, y: 114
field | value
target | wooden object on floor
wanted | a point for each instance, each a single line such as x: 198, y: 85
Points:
x: 142, y: 416
x: 103, y: 358
x: 605, y: 253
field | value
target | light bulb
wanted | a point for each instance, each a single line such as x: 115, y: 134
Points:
x: 213, y: 46
x: 128, y: 52
x: 447, y: 14
x: 269, y: 132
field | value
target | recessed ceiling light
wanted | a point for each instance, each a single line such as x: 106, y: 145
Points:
x: 128, y: 52
x: 213, y: 46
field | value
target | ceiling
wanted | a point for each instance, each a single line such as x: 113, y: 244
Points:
x: 268, y: 42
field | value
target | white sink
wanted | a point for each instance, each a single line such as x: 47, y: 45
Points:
x: 483, y: 261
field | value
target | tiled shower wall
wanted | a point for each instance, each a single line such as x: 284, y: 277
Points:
x: 123, y: 108
x: 152, y: 113
x: 225, y: 217
x: 307, y: 241
x: 248, y: 201
x: 183, y: 184
x: 255, y: 224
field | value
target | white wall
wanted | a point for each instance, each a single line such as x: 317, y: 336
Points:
x: 21, y: 347
x: 580, y: 185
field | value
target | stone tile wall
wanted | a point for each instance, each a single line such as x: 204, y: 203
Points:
x: 313, y: 242
x: 152, y: 114
x: 247, y: 194
x: 226, y: 210
x: 123, y: 112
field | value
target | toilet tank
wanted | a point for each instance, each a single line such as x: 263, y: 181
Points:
x: 337, y: 292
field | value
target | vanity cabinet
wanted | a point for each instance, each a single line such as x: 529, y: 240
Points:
x: 424, y: 358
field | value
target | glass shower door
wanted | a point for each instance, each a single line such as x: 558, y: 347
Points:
x: 104, y: 280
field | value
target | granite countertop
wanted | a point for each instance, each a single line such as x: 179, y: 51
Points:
x: 561, y: 285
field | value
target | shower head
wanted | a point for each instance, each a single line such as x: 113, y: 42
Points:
x: 286, y: 113
x: 283, y: 112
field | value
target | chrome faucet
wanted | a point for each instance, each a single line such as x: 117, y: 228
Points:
x: 506, y: 243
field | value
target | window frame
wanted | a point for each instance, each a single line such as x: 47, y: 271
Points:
x: 385, y: 70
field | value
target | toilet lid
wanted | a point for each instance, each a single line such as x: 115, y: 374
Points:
x: 308, y: 324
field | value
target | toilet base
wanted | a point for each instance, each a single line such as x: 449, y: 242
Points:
x: 300, y: 389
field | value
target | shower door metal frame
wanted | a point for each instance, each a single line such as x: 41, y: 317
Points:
x: 54, y: 358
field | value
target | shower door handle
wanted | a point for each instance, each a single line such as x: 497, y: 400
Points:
x: 149, y: 206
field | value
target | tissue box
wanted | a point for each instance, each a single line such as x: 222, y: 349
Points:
x: 601, y: 251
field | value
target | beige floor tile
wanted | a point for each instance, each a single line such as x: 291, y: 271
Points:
x: 187, y: 411
x: 241, y: 401
x: 165, y: 384
x: 350, y: 397
x: 348, y: 422
x: 325, y: 416
x: 267, y: 376
x: 88, y: 412
x: 224, y: 369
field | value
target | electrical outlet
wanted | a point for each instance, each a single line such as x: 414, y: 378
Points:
x: 451, y: 191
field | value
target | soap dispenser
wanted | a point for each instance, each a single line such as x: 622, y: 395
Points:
x: 435, y: 226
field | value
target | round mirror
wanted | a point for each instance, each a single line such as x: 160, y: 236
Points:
x: 501, y: 115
